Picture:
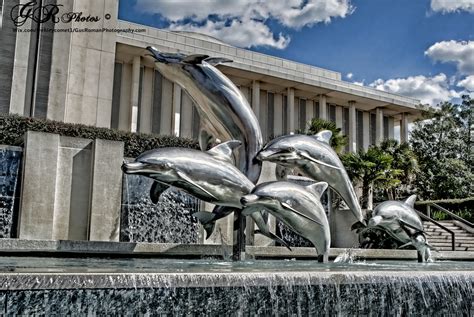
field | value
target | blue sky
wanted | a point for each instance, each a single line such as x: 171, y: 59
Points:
x: 418, y: 48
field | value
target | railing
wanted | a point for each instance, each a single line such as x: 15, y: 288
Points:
x: 453, y: 235
x: 453, y: 215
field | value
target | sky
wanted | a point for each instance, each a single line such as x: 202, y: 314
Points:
x: 418, y: 48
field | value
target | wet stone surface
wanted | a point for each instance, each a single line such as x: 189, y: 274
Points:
x: 10, y: 168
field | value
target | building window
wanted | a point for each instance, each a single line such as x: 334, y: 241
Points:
x: 296, y: 123
x: 271, y: 115
x: 345, y: 124
x: 332, y: 113
x: 373, y: 120
x: 285, y: 114
x: 302, y: 114
x: 316, y: 109
x: 385, y: 128
x: 360, y: 129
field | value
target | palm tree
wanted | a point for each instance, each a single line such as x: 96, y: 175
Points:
x: 372, y: 168
x: 338, y: 140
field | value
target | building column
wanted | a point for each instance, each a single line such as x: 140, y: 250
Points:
x: 323, y: 107
x: 290, y: 115
x: 309, y: 110
x: 166, y: 114
x: 366, y: 130
x: 378, y: 125
x: 256, y: 98
x: 404, y: 128
x: 176, y: 118
x: 125, y: 97
x: 278, y: 116
x: 339, y: 117
x: 135, y: 92
x: 352, y: 134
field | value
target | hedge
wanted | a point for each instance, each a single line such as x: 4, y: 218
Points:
x: 14, y: 127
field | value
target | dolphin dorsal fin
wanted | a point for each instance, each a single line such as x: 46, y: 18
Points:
x: 224, y: 150
x: 324, y: 136
x: 214, y: 61
x: 317, y: 188
x: 195, y: 59
x: 410, y: 201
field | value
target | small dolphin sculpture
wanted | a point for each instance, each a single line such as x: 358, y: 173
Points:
x: 400, y: 220
x: 209, y: 176
x: 223, y: 109
x: 298, y: 207
x: 315, y: 158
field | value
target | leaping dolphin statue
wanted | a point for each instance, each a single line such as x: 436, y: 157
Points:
x: 400, y: 220
x: 209, y: 176
x: 223, y: 109
x: 315, y: 158
x: 299, y: 207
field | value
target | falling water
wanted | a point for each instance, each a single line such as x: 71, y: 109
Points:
x: 242, y: 293
x: 168, y: 221
x: 10, y: 162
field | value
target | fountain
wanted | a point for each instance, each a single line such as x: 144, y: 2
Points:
x: 161, y: 203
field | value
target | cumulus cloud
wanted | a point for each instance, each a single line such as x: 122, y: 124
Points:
x: 449, y: 6
x: 459, y: 52
x: 467, y: 83
x: 349, y: 75
x: 243, y: 22
x: 429, y: 90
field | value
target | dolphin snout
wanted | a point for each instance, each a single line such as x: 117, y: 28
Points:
x: 375, y: 221
x: 132, y: 167
x: 249, y: 199
x: 264, y: 154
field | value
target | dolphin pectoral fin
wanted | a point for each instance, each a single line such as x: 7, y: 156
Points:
x: 358, y: 226
x: 224, y: 151
x: 250, y: 210
x: 204, y: 139
x: 156, y: 190
x: 274, y: 237
x: 187, y: 179
x: 195, y: 58
x: 207, y: 220
x: 288, y: 207
x: 312, y: 159
x: 405, y: 245
x: 214, y: 61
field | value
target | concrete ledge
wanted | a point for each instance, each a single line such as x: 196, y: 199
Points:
x: 9, y: 246
x: 359, y: 254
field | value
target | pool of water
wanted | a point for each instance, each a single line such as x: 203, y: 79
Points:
x: 149, y: 265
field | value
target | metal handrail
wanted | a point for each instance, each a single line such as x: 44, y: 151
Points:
x: 453, y: 215
x: 453, y: 235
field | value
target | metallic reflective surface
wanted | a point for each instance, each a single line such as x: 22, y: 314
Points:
x: 315, y: 158
x: 400, y: 220
x: 298, y: 207
x: 224, y: 111
x: 209, y: 176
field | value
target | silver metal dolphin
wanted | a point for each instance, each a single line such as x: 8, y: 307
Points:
x: 223, y: 109
x: 315, y: 158
x: 209, y: 176
x: 298, y: 207
x: 400, y: 220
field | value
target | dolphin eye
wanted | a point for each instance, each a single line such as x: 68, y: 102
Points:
x: 290, y: 149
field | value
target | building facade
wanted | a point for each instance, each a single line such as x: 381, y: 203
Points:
x: 105, y: 79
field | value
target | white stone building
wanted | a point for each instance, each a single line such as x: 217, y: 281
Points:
x: 104, y: 79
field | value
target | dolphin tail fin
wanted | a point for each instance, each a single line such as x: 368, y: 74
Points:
x: 195, y: 58
x: 214, y: 61
x: 274, y: 237
x: 156, y: 190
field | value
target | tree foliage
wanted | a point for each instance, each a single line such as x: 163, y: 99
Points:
x: 338, y: 140
x: 443, y: 143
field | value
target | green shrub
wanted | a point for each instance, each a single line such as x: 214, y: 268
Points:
x: 14, y: 127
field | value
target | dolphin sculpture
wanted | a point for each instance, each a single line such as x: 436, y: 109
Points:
x: 209, y: 176
x: 223, y: 109
x: 299, y: 207
x: 315, y: 158
x: 400, y: 220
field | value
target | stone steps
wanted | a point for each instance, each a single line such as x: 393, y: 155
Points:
x: 441, y: 240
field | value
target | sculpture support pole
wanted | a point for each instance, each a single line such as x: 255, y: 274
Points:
x: 239, y: 247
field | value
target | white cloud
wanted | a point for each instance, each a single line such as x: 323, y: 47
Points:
x: 467, y: 83
x: 349, y: 75
x: 429, y: 90
x: 461, y: 53
x: 243, y: 22
x: 448, y: 6
x: 359, y: 83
